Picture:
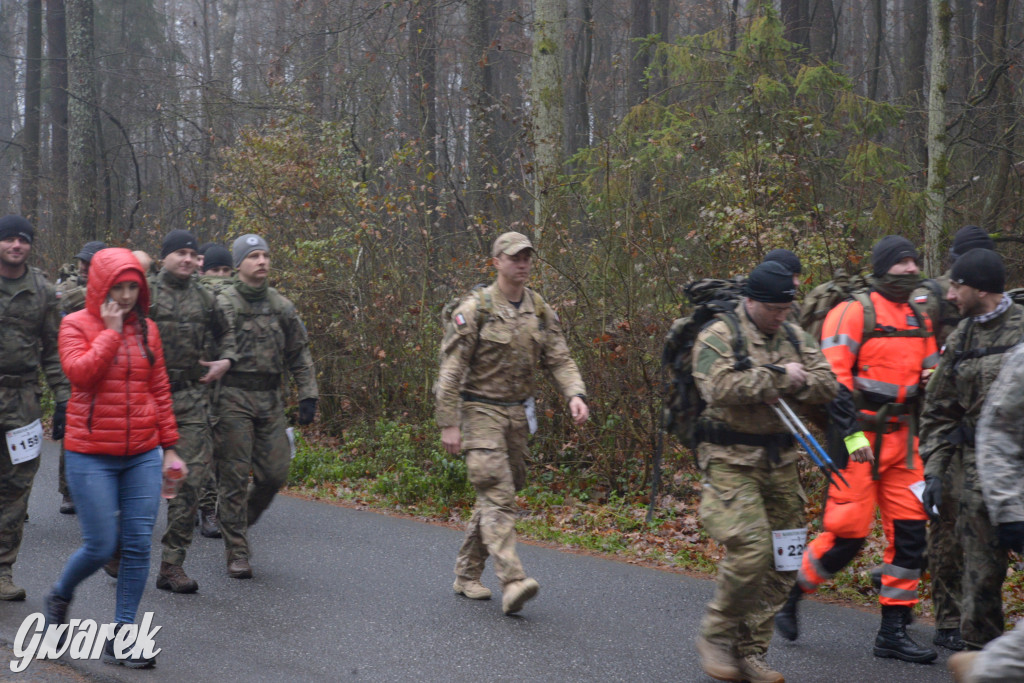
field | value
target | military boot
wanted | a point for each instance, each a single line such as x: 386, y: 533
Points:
x: 208, y: 525
x: 8, y: 591
x: 894, y: 642
x: 173, y: 578
x: 516, y: 593
x: 239, y: 568
x: 472, y: 589
x: 949, y: 638
x: 67, y: 506
x: 718, y: 661
x: 755, y: 669
x: 785, y: 620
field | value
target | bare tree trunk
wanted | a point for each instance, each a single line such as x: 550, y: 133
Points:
x: 1005, y: 121
x: 548, y: 106
x: 478, y: 75
x: 916, y: 38
x: 57, y: 50
x: 30, y: 132
x: 877, y: 36
x: 423, y: 73
x: 938, y: 147
x: 8, y: 98
x: 223, y: 74
x: 795, y: 15
x: 82, y: 153
x: 822, y: 34
x: 577, y: 106
x: 639, y: 55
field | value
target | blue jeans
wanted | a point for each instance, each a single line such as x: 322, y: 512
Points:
x: 102, y: 486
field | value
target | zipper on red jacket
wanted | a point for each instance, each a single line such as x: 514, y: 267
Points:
x: 127, y: 393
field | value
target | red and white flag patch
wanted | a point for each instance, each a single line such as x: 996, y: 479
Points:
x: 922, y: 299
x: 460, y: 320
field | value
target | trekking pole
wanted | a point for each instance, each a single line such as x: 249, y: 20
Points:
x: 800, y: 438
x: 797, y: 422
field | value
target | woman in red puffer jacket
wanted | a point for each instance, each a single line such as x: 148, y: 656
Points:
x: 120, y: 435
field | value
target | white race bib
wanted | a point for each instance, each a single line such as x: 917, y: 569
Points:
x: 788, y: 546
x: 25, y: 442
x: 531, y: 414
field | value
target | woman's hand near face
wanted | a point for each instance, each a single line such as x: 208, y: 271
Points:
x: 112, y: 315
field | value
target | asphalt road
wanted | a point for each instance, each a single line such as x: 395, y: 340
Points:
x: 341, y: 594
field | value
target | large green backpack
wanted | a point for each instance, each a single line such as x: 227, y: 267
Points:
x: 712, y: 300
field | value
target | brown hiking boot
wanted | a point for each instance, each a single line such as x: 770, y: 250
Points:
x: 173, y: 578
x: 516, y: 593
x: 208, y: 525
x: 718, y: 661
x: 472, y: 589
x: 756, y: 670
x: 239, y: 569
x: 960, y: 664
x: 8, y: 591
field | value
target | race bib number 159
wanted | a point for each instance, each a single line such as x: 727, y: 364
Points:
x: 24, y: 443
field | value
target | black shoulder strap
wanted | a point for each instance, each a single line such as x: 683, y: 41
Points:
x: 791, y: 334
x: 739, y: 342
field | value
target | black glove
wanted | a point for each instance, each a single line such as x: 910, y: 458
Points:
x: 307, y: 411
x: 60, y: 420
x: 932, y: 497
x: 1011, y: 536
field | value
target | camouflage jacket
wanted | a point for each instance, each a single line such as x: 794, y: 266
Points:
x: 1000, y: 442
x: 270, y: 339
x: 29, y: 322
x: 739, y: 398
x: 71, y: 293
x: 191, y: 323
x: 957, y: 391
x: 497, y: 359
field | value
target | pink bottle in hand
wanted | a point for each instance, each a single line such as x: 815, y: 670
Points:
x: 172, y: 480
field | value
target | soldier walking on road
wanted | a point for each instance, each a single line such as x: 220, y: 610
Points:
x: 71, y: 293
x: 251, y: 430
x: 974, y: 354
x: 496, y: 338
x: 1000, y: 472
x: 191, y: 324
x: 29, y: 322
x: 751, y: 485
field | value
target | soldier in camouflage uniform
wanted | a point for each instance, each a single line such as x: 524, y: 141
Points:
x: 484, y: 399
x: 999, y: 452
x: 215, y: 275
x: 199, y: 347
x: 974, y: 354
x: 751, y: 485
x: 29, y: 319
x: 250, y: 432
x: 945, y: 555
x: 71, y: 292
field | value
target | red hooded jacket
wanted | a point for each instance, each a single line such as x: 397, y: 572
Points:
x: 120, y: 402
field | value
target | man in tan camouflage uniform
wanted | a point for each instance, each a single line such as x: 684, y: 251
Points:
x: 492, y: 346
x: 999, y: 451
x: 251, y: 430
x: 751, y: 484
x: 29, y: 319
x: 945, y: 554
x: 974, y: 354
x: 191, y: 324
x: 71, y: 292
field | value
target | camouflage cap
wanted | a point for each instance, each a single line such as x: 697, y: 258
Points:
x: 511, y: 243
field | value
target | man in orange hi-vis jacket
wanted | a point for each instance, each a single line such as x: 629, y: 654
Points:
x: 881, y: 348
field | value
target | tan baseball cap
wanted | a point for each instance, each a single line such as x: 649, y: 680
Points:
x: 511, y: 243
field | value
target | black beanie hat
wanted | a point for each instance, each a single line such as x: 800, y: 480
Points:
x: 889, y: 251
x: 178, y: 239
x: 982, y: 269
x: 770, y: 283
x: 89, y: 250
x: 216, y: 256
x: 204, y: 247
x: 786, y: 258
x: 16, y: 226
x: 970, y: 237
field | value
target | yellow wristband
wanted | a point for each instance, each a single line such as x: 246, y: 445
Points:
x: 854, y: 442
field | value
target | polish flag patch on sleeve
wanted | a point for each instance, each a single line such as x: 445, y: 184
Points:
x: 460, y: 320
x: 922, y: 299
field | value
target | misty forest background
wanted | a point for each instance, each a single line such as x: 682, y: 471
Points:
x: 381, y: 145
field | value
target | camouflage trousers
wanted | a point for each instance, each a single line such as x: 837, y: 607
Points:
x: 945, y: 554
x: 985, y: 566
x: 15, y: 487
x: 494, y: 440
x: 195, y: 447
x: 250, y: 436
x: 1001, y: 660
x: 740, y: 507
